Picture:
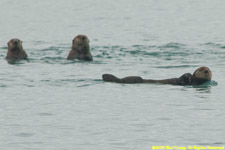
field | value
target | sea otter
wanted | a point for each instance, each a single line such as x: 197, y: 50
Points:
x: 200, y: 76
x: 15, y: 50
x: 80, y: 49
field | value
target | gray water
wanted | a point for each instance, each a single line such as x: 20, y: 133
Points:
x: 49, y: 103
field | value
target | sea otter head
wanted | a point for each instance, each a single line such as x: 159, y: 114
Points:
x: 15, y: 45
x: 201, y: 75
x: 81, y: 43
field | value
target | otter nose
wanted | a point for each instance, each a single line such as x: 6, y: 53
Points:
x: 206, y: 71
x: 83, y: 38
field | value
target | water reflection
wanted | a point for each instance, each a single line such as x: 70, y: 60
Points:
x: 206, y: 87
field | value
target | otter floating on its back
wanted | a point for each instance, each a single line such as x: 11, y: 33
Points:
x: 200, y: 76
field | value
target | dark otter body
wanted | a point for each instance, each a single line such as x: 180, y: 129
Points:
x: 200, y: 76
x: 183, y: 80
x: 15, y: 50
x: 80, y: 49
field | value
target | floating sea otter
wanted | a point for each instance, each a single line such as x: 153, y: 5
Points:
x: 200, y: 76
x: 15, y: 50
x: 80, y: 49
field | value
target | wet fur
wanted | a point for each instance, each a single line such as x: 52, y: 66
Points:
x: 15, y: 50
x: 200, y: 76
x: 80, y: 49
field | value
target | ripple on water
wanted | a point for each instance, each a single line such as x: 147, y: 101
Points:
x: 45, y: 114
x: 214, y: 45
x: 206, y: 84
x: 176, y: 66
x: 25, y: 134
x: 3, y: 86
x: 74, y: 82
x: 172, y: 45
x: 211, y: 144
x: 53, y: 60
x: 170, y: 51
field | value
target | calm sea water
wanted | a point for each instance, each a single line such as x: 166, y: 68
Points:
x: 49, y: 103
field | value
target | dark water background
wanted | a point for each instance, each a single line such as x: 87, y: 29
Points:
x: 50, y: 103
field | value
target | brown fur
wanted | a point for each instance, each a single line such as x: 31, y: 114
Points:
x: 15, y: 50
x: 80, y: 49
x: 200, y: 76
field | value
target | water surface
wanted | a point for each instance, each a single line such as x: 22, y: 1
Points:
x: 53, y: 104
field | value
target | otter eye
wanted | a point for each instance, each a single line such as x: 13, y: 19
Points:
x: 83, y: 38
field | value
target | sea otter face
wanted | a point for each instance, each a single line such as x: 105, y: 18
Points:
x: 15, y: 44
x: 81, y: 40
x: 203, y: 73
